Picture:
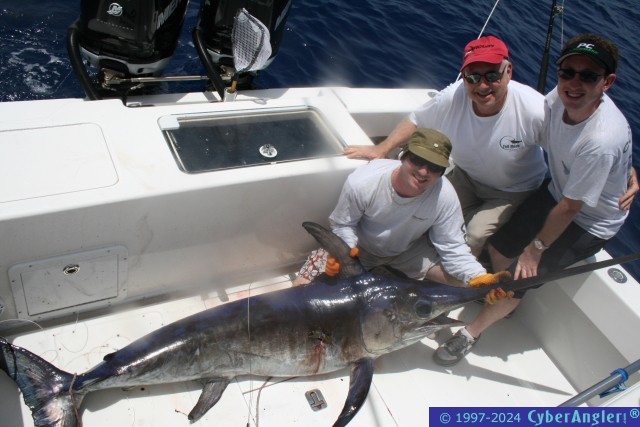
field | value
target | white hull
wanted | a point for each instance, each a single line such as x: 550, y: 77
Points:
x: 95, y: 184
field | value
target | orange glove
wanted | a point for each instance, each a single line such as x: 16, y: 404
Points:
x: 495, y: 295
x: 333, y: 267
x: 489, y: 279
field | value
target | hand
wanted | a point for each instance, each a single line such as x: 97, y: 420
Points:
x: 370, y: 152
x: 632, y: 188
x: 489, y: 279
x: 496, y: 295
x: 333, y: 267
x: 528, y: 262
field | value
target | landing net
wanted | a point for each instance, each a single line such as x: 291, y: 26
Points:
x: 250, y: 42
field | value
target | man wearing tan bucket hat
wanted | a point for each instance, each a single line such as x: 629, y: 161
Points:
x: 401, y: 214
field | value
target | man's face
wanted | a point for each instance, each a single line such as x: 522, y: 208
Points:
x: 414, y: 179
x: 487, y: 97
x: 581, y: 83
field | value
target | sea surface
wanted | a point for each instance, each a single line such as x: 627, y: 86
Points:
x: 357, y: 43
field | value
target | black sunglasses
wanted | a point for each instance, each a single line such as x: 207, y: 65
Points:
x: 585, y: 76
x: 420, y: 163
x: 491, y: 76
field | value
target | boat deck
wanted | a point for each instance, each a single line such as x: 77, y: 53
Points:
x: 506, y: 368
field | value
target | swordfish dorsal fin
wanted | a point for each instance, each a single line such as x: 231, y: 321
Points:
x: 338, y: 249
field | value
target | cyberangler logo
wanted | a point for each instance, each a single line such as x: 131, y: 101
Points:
x: 115, y: 9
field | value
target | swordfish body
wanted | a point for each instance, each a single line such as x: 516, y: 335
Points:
x: 330, y: 324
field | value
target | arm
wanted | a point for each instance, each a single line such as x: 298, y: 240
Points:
x: 558, y: 220
x: 632, y: 188
x: 346, y: 215
x: 400, y: 135
x: 448, y: 238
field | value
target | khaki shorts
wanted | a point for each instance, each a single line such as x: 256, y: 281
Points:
x: 485, y: 209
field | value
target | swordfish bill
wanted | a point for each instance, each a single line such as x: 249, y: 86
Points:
x: 333, y: 323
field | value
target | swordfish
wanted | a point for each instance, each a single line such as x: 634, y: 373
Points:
x: 336, y: 322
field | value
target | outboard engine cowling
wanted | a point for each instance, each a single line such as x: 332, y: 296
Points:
x: 212, y: 35
x: 124, y: 38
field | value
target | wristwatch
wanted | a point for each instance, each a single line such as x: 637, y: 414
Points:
x: 539, y: 245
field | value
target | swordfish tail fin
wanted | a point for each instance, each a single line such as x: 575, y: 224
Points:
x: 45, y: 388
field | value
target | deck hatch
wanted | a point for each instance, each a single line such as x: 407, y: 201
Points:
x: 70, y: 283
x: 238, y: 139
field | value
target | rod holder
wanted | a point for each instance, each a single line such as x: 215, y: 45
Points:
x: 229, y: 96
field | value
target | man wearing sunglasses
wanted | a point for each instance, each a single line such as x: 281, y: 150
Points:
x: 494, y: 124
x: 401, y: 214
x: 588, y: 143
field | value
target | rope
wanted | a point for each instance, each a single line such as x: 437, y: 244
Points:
x: 249, y: 412
x: 495, y: 5
x: 488, y: 18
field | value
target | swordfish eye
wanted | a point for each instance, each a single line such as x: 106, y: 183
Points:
x: 423, y: 308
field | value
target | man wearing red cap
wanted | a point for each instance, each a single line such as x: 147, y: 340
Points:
x: 588, y: 143
x: 494, y: 124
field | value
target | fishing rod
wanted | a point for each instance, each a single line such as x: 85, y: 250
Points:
x: 542, y: 79
x: 607, y: 386
x: 515, y: 285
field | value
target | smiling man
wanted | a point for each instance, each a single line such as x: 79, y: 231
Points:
x: 588, y: 142
x: 589, y: 145
x: 403, y: 214
x: 494, y: 124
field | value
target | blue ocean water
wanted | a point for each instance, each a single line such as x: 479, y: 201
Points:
x: 372, y: 43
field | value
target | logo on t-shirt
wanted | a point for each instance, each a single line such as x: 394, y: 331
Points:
x: 510, y: 143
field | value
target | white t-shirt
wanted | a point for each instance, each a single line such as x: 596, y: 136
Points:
x: 372, y: 215
x: 499, y: 151
x: 590, y: 161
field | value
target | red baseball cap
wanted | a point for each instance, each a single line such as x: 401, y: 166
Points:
x: 485, y: 49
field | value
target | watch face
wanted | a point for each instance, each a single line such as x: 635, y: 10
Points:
x: 538, y: 244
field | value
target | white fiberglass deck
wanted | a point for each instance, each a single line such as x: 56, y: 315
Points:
x: 506, y: 368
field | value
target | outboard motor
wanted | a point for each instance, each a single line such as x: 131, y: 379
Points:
x: 123, y: 39
x: 213, y: 36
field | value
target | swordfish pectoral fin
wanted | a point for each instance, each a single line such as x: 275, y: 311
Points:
x: 45, y: 388
x: 359, y: 384
x: 211, y: 393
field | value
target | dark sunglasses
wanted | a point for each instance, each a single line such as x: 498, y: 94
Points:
x: 420, y: 163
x: 585, y: 76
x: 491, y: 76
